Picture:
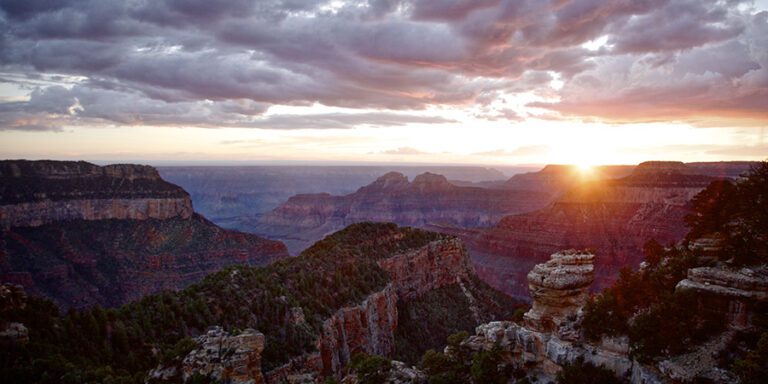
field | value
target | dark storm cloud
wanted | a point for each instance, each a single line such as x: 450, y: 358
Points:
x: 192, y: 62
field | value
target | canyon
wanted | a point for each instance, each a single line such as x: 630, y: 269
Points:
x: 82, y: 234
x: 510, y: 226
x: 614, y: 217
x: 416, y: 264
x: 429, y: 199
x: 233, y: 196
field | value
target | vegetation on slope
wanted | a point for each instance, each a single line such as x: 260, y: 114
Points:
x: 644, y: 305
x: 120, y: 345
x: 77, y: 262
x: 425, y: 322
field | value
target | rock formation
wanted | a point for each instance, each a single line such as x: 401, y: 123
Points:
x: 428, y: 200
x: 418, y: 264
x: 559, y: 289
x: 734, y: 292
x: 221, y: 356
x: 234, y: 359
x: 232, y: 196
x: 550, y: 337
x: 83, y: 234
x: 367, y: 328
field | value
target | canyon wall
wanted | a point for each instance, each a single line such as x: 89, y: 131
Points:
x: 613, y: 217
x: 82, y: 234
x: 370, y: 326
x: 428, y: 200
x: 35, y: 193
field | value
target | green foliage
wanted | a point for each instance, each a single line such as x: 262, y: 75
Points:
x: 517, y: 317
x: 456, y: 367
x: 671, y: 327
x: 179, y: 350
x: 609, y: 313
x: 427, y: 321
x: 97, y: 345
x: 585, y: 373
x: 371, y: 369
x: 753, y: 369
x: 644, y: 306
x: 487, y: 367
x: 441, y: 369
x: 455, y: 339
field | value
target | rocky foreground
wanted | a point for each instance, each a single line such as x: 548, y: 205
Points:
x: 82, y: 234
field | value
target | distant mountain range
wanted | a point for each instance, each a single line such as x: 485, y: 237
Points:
x: 511, y: 225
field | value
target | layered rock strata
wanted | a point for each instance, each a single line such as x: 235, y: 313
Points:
x: 367, y: 328
x: 82, y: 234
x: 734, y: 292
x: 221, y: 356
x: 35, y: 193
x: 427, y: 200
x: 559, y: 289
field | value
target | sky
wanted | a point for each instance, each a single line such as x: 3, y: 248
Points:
x: 425, y: 81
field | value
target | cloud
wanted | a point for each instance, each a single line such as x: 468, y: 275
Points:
x: 199, y: 61
x: 344, y: 120
x: 529, y: 150
x: 404, y: 151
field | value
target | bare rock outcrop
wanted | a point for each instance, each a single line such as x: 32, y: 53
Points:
x: 220, y: 356
x: 549, y: 337
x: 436, y: 265
x: 731, y: 291
x: 234, y: 359
x: 559, y: 289
x: 367, y: 328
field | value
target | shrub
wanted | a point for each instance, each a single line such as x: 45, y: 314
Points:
x: 371, y: 369
x: 585, y: 373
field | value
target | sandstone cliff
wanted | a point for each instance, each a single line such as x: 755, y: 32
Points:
x: 83, y: 234
x: 428, y: 200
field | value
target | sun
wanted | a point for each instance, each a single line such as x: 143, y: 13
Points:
x: 585, y: 168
